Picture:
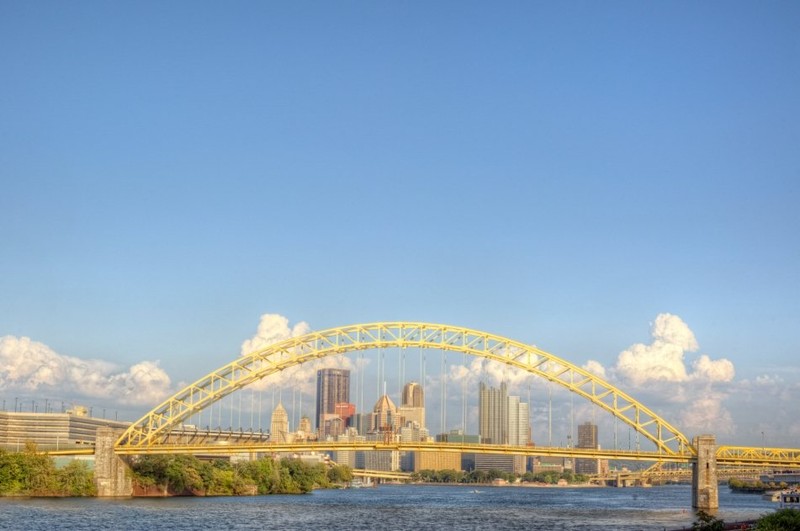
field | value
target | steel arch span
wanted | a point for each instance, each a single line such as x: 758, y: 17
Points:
x: 153, y: 427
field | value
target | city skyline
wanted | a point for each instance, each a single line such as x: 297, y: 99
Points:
x: 616, y: 184
x: 562, y: 430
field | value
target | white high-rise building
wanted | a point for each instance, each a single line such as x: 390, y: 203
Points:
x: 412, y: 407
x: 519, y: 433
x: 279, y: 425
x: 493, y: 414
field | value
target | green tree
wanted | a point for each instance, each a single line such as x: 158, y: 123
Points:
x: 781, y: 520
x: 222, y: 482
x: 76, y: 479
x: 11, y: 477
x: 707, y: 522
x: 340, y: 474
x: 38, y: 472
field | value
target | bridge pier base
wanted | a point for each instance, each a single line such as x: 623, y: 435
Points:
x: 705, y: 487
x: 110, y: 472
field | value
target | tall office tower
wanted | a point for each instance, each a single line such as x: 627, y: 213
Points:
x: 333, y: 387
x: 519, y: 431
x: 361, y: 422
x: 384, y: 415
x: 412, y: 409
x: 587, y: 438
x: 493, y: 414
x: 413, y: 395
x: 587, y: 435
x: 279, y: 425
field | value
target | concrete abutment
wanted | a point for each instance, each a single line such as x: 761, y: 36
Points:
x: 705, y: 487
x: 111, y: 475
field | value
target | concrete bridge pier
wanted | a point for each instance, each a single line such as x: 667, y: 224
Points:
x: 705, y: 488
x: 111, y: 475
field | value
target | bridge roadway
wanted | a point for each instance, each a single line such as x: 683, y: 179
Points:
x: 380, y: 474
x: 725, y: 455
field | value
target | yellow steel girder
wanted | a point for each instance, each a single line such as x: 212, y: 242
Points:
x: 414, y: 446
x: 754, y: 456
x: 156, y: 424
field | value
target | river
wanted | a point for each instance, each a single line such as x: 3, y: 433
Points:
x: 388, y: 507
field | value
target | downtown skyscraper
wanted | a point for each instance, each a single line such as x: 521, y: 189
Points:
x: 587, y: 438
x: 412, y: 407
x: 493, y: 414
x: 413, y: 395
x: 333, y: 387
x: 502, y: 419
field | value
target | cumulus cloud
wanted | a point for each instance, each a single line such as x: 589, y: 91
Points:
x: 706, y: 414
x: 664, y: 358
x: 596, y: 368
x: 31, y: 366
x: 672, y: 330
x: 713, y: 370
x: 765, y: 411
x: 273, y: 328
x: 487, y: 371
x: 692, y: 392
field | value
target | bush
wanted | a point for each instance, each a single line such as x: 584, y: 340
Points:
x: 781, y: 520
x: 31, y: 473
x: 707, y: 522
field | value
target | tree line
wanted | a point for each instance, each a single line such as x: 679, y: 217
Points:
x: 30, y: 473
x: 188, y: 475
x: 744, y: 485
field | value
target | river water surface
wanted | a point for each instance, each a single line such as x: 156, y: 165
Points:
x: 388, y: 507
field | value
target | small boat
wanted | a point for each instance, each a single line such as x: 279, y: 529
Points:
x: 790, y: 499
x: 358, y: 484
x: 772, y: 495
x: 476, y: 491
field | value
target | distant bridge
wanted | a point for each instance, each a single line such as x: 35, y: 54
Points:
x: 381, y: 474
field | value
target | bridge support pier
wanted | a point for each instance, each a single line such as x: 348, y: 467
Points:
x: 110, y: 472
x: 705, y: 488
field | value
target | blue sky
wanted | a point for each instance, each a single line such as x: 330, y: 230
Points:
x: 560, y: 173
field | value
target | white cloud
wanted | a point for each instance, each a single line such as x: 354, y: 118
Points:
x: 30, y: 366
x: 692, y: 393
x: 663, y: 358
x: 273, y: 328
x: 659, y: 371
x: 657, y: 361
x: 490, y: 372
x: 704, y: 413
x: 672, y: 330
x: 713, y: 370
x: 596, y: 368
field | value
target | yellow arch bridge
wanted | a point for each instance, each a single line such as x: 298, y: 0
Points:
x: 156, y: 431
